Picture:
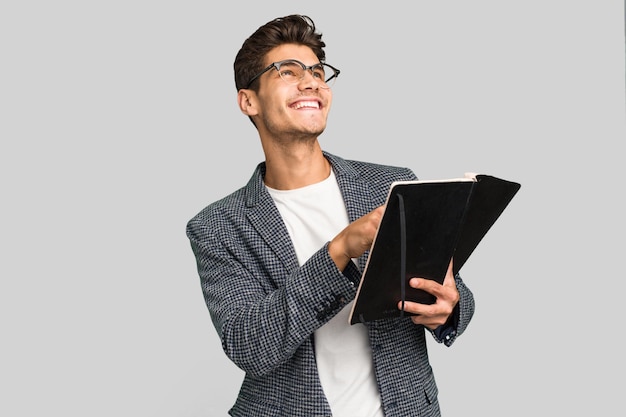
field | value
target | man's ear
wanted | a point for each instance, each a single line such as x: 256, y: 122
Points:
x: 247, y: 101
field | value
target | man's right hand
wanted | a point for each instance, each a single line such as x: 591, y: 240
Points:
x: 355, y: 239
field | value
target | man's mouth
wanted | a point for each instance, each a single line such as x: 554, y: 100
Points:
x: 306, y: 104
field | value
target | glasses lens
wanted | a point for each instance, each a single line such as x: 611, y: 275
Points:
x: 292, y: 72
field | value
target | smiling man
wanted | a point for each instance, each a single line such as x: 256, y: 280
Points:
x: 280, y: 259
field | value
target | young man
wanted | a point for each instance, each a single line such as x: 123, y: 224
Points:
x: 280, y: 259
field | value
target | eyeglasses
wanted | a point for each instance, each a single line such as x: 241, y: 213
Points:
x: 292, y: 72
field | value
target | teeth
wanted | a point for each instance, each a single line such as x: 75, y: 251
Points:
x: 312, y: 104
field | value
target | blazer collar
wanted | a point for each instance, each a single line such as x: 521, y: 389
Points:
x: 344, y: 171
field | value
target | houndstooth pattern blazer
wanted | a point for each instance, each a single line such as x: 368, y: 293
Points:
x: 265, y: 307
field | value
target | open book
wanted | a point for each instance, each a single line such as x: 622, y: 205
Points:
x: 424, y: 226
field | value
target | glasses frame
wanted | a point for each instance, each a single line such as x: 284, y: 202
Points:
x: 278, y: 64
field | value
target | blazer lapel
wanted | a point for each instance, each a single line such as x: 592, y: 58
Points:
x: 266, y: 219
x: 357, y: 194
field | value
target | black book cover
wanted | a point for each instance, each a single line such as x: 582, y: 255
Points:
x: 424, y: 225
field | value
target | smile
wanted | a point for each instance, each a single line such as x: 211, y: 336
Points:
x: 306, y: 104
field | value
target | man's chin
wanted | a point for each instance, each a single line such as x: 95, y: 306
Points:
x: 315, y: 128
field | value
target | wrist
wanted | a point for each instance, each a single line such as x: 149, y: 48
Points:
x: 338, y: 254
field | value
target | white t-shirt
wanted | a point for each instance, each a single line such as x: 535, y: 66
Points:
x: 314, y: 215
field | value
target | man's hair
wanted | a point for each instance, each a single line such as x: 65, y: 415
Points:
x: 295, y: 29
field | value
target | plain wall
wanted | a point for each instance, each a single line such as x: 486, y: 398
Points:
x: 118, y: 123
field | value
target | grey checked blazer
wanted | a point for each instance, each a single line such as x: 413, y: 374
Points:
x: 265, y: 307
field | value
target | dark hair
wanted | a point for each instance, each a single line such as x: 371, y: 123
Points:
x: 296, y: 29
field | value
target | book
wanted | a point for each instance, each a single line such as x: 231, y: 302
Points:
x: 426, y: 224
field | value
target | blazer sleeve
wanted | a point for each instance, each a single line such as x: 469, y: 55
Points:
x: 262, y: 324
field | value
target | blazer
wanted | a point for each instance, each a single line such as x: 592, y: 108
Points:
x: 265, y: 307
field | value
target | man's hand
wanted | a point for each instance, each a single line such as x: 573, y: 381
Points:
x: 433, y: 315
x: 355, y: 239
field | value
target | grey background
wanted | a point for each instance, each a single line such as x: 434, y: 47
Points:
x: 118, y: 123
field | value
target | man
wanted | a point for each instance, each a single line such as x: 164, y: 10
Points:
x: 279, y: 259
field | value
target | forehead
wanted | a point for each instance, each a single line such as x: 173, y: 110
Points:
x: 291, y: 51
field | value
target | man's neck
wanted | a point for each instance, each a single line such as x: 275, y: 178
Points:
x: 295, y: 166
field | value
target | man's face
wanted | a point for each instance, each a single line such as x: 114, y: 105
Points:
x: 292, y: 111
